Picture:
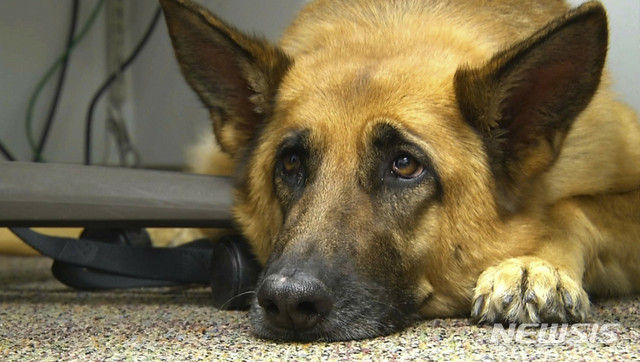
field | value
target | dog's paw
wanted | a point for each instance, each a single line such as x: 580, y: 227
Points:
x: 528, y: 290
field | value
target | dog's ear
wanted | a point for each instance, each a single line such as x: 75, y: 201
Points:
x: 235, y: 75
x: 525, y: 99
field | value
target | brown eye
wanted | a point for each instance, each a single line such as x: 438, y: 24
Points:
x: 291, y: 163
x: 406, y: 167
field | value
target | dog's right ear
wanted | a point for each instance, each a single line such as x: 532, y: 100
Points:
x: 235, y: 75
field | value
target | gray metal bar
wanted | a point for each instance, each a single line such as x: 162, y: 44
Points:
x: 38, y: 194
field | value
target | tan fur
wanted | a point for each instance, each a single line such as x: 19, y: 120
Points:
x: 569, y: 220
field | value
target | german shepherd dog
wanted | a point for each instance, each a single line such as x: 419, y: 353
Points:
x: 406, y: 159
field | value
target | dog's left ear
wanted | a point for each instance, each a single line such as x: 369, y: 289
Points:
x: 235, y: 75
x: 525, y: 99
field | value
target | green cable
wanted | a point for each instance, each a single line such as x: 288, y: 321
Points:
x: 45, y: 79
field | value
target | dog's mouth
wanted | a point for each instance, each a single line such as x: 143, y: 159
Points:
x: 295, y: 305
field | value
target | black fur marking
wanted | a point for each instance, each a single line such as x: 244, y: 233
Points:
x: 290, y: 187
x: 363, y: 308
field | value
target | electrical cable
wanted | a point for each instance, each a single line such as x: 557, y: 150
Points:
x: 5, y: 152
x: 45, y: 79
x: 110, y: 80
x: 63, y: 71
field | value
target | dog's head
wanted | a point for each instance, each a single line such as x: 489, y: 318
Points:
x: 373, y: 187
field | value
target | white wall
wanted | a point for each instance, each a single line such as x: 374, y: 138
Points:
x: 624, y: 49
x: 32, y: 35
x: 164, y: 114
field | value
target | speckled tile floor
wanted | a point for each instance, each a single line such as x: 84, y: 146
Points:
x: 41, y: 320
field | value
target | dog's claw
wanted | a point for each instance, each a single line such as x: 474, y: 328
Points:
x: 477, y: 307
x: 532, y: 313
x: 568, y: 301
x: 507, y: 301
x: 573, y: 308
x: 530, y: 298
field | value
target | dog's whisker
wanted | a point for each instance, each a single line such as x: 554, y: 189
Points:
x: 232, y: 299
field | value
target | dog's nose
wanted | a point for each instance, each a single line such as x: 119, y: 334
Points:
x: 296, y: 302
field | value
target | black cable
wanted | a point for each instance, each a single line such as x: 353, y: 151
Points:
x: 110, y: 80
x: 5, y: 152
x: 56, y: 97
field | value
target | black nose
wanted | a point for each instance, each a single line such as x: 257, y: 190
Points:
x: 296, y: 302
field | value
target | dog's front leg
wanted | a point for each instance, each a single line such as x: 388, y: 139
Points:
x: 529, y: 290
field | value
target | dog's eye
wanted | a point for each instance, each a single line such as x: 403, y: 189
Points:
x: 406, y: 167
x: 291, y: 163
x: 292, y: 168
